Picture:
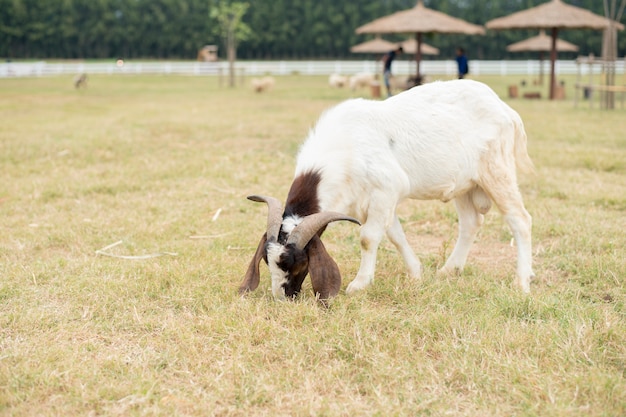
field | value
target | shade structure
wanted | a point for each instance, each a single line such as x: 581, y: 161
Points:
x: 410, y: 47
x: 553, y: 15
x: 379, y: 45
x: 374, y: 46
x: 541, y: 43
x: 420, y: 20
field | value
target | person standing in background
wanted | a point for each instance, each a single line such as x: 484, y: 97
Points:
x: 461, y: 61
x: 387, y: 60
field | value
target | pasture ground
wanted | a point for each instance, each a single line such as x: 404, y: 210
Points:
x: 164, y: 164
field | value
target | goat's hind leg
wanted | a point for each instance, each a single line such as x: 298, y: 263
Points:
x: 470, y: 208
x: 510, y: 203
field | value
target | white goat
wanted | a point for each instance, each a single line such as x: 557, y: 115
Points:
x: 361, y: 80
x: 260, y: 85
x: 337, y: 80
x: 453, y: 140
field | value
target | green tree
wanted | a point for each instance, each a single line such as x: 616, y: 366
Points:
x: 233, y: 29
x: 283, y: 29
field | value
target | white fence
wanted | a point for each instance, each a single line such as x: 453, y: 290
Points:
x: 254, y: 68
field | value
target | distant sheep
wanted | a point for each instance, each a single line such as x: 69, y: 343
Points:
x: 80, y: 81
x: 361, y: 80
x: 260, y: 85
x: 453, y: 140
x: 337, y: 81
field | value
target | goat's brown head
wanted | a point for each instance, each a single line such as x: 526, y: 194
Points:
x: 292, y: 248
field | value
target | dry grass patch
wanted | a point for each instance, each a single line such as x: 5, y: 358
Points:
x: 163, y: 164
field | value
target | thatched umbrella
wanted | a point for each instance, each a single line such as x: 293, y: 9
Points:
x: 553, y: 15
x: 420, y: 20
x: 541, y: 43
x: 410, y: 47
x: 374, y: 46
x: 381, y: 46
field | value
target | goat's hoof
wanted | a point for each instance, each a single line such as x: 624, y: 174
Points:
x: 523, y: 284
x: 442, y: 273
x: 416, y: 273
x: 355, y: 286
x: 522, y: 280
x: 446, y: 271
x: 415, y: 277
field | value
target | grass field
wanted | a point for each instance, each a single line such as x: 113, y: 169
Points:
x: 163, y: 164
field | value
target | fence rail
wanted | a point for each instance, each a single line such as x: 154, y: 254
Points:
x: 255, y: 68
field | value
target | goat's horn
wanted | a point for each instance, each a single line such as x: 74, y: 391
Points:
x: 274, y: 215
x: 311, y: 224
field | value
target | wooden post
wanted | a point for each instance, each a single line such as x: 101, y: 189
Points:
x: 577, y: 85
x: 418, y: 53
x: 591, y: 58
x: 609, y: 55
x: 540, y: 67
x: 555, y: 32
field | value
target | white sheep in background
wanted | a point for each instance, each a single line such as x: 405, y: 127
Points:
x: 337, y: 80
x: 260, y: 85
x: 361, y: 80
x: 453, y: 140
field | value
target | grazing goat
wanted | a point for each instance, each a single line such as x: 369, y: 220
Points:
x: 262, y: 84
x: 337, y: 80
x: 453, y: 140
x: 80, y: 81
x: 361, y: 80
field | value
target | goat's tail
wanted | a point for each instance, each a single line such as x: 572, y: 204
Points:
x: 522, y: 160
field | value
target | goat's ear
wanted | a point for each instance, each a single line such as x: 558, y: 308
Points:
x: 325, y: 276
x: 251, y: 280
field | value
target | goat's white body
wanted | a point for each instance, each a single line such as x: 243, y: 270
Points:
x: 444, y: 140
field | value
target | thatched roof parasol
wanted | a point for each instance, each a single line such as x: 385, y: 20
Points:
x: 381, y: 46
x: 374, y: 46
x: 420, y: 20
x: 410, y: 47
x: 541, y: 43
x: 553, y: 15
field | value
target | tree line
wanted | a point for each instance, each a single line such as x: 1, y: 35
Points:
x: 279, y: 29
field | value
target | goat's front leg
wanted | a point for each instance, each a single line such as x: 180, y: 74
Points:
x: 398, y: 238
x: 371, y: 234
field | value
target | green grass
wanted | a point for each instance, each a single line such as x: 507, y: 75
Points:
x: 151, y: 160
